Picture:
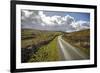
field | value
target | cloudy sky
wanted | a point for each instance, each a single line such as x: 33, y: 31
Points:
x: 55, y: 21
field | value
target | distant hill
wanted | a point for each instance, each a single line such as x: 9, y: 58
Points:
x: 80, y: 33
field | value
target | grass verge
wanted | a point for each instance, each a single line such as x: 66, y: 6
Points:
x: 45, y: 53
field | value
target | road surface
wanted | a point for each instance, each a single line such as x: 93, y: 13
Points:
x: 69, y: 52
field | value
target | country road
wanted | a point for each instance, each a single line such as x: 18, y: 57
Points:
x: 69, y: 52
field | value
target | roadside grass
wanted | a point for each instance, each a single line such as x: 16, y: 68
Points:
x: 80, y: 39
x: 46, y: 53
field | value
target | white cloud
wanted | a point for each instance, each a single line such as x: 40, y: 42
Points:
x: 41, y: 14
x: 38, y: 20
x: 56, y: 20
x: 80, y: 25
x: 68, y: 19
x: 46, y: 19
x: 27, y: 13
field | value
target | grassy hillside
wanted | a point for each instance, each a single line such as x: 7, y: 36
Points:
x: 80, y: 39
x: 35, y: 45
x: 33, y: 37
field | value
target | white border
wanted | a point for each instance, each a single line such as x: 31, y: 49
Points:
x: 20, y: 65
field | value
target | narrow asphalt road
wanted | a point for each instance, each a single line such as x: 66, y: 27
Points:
x: 70, y: 52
